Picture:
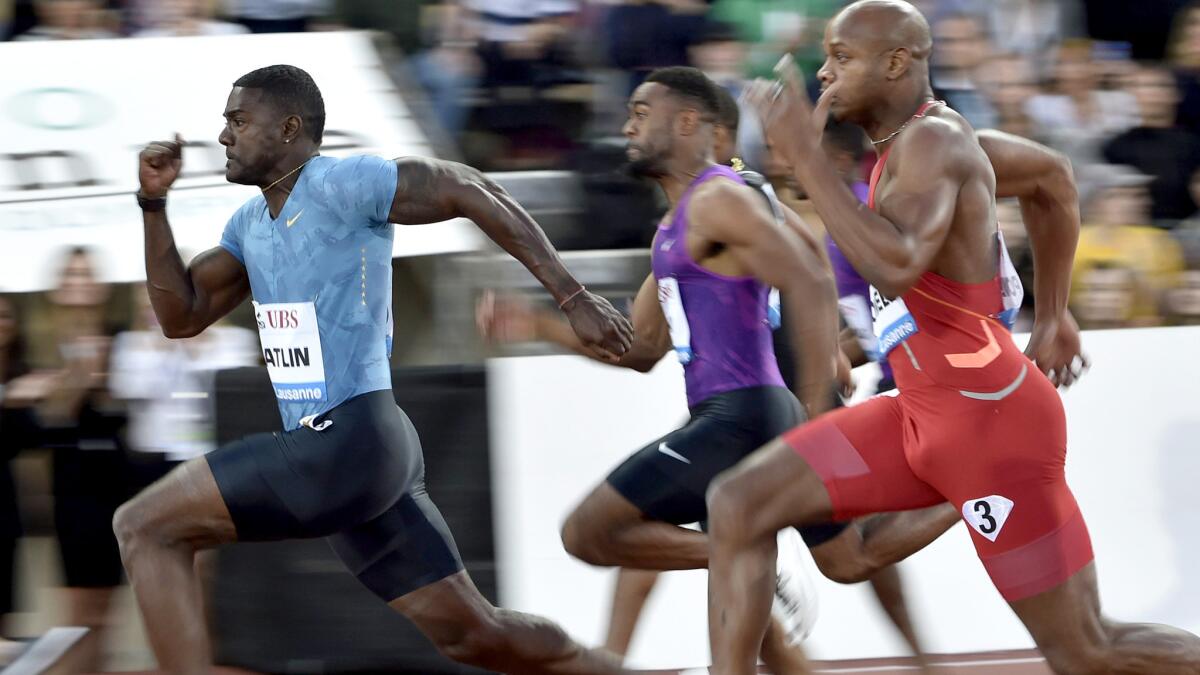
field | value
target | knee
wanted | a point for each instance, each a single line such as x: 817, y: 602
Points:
x: 483, y: 644
x: 584, y: 541
x: 729, y: 508
x: 1089, y: 662
x: 133, y: 526
x: 842, y: 568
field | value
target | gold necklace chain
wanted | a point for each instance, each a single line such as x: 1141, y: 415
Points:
x: 286, y: 175
x: 905, y: 125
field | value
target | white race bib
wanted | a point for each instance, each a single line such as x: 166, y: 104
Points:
x: 774, y: 313
x: 1011, y: 290
x: 857, y: 314
x: 672, y: 307
x: 292, y: 349
x: 893, y: 322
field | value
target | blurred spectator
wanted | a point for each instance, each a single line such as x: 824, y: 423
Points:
x: 722, y: 56
x: 1183, y: 301
x: 1078, y: 117
x: 277, y: 16
x: 1183, y: 52
x: 68, y: 20
x: 1159, y: 147
x: 1105, y: 296
x: 525, y: 42
x: 16, y: 433
x: 1034, y: 28
x: 642, y: 35
x: 82, y: 424
x: 178, y: 18
x: 1117, y: 235
x: 773, y: 28
x: 1009, y: 82
x: 961, y: 47
x: 449, y: 69
x: 167, y: 386
x: 6, y: 17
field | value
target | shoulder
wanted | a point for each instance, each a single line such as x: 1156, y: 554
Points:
x: 935, y: 142
x: 246, y: 212
x: 351, y: 168
x: 720, y: 194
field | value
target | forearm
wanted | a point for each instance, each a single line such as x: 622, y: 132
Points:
x: 813, y: 329
x: 550, y: 327
x: 172, y: 294
x: 1051, y: 218
x: 849, y: 344
x: 505, y: 222
x: 874, y: 245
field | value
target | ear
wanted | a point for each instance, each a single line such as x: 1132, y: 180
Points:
x: 899, y: 62
x: 292, y: 127
x: 688, y: 121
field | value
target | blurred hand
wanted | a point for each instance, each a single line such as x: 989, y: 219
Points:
x: 31, y: 388
x: 505, y: 318
x: 844, y: 378
x: 790, y: 121
x: 599, y: 325
x: 1054, y: 346
x: 158, y: 166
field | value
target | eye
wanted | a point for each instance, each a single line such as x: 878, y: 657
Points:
x: 841, y: 57
x: 640, y: 115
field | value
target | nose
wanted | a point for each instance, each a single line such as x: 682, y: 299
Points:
x: 628, y: 128
x: 225, y: 138
x: 825, y: 74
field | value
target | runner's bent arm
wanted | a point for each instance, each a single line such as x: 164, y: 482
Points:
x: 891, y: 246
x: 1042, y: 180
x: 782, y: 257
x: 431, y: 190
x: 651, y: 337
x: 186, y: 299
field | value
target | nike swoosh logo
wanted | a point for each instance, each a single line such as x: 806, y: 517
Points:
x: 292, y: 221
x: 662, y: 447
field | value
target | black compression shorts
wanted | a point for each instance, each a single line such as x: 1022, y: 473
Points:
x: 667, y: 480
x: 358, y: 482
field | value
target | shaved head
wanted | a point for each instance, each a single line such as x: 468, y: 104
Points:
x: 876, y: 52
x: 887, y: 25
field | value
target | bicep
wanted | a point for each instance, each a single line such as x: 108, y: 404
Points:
x: 1019, y: 164
x: 777, y: 254
x: 921, y: 201
x: 431, y: 190
x: 220, y: 283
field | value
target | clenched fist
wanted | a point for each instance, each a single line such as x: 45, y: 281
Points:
x: 158, y: 167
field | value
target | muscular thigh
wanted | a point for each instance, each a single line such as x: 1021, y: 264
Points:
x: 1002, y: 463
x: 859, y: 453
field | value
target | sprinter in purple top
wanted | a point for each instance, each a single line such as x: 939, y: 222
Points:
x: 721, y: 334
x: 716, y: 256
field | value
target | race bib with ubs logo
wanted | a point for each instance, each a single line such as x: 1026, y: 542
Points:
x: 292, y: 349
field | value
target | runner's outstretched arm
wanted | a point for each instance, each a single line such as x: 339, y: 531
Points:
x: 432, y: 190
x: 504, y: 318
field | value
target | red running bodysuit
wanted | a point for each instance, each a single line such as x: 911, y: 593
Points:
x: 975, y: 423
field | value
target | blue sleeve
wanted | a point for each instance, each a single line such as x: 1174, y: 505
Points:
x: 231, y: 238
x: 363, y: 186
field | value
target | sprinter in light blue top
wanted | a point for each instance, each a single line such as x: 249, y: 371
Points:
x: 321, y: 276
x: 313, y: 253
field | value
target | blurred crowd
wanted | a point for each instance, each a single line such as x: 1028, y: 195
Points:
x: 520, y: 84
x: 523, y: 84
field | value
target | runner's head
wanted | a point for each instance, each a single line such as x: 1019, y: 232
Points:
x: 874, y: 50
x: 273, y: 114
x: 726, y: 130
x: 672, y: 114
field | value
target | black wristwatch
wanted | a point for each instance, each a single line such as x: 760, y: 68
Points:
x: 152, y: 203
